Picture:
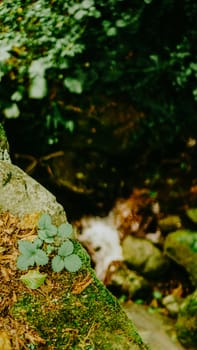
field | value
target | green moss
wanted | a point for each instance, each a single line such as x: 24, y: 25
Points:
x: 72, y: 316
x: 187, y: 321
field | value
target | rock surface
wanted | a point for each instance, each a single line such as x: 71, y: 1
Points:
x: 71, y: 310
x: 157, y: 330
x: 20, y: 194
x: 187, y: 321
x: 178, y: 246
x: 144, y: 257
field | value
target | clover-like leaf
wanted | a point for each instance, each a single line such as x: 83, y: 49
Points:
x: 48, y: 233
x: 23, y: 263
x: 26, y: 247
x: 33, y: 279
x: 30, y: 255
x: 40, y: 257
x: 57, y: 263
x: 72, y: 263
x: 44, y: 221
x: 27, y: 257
x: 66, y: 248
x: 38, y: 242
x: 65, y: 230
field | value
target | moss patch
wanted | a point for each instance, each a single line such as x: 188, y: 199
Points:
x: 70, y: 311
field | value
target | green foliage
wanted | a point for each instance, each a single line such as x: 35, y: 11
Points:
x: 54, y: 53
x: 33, y: 279
x: 30, y: 255
x: 63, y: 258
x: 46, y: 231
x: 52, y: 243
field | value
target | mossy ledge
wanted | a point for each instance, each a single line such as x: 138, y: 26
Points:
x: 75, y: 311
x: 69, y: 311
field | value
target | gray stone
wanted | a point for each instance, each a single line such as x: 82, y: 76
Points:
x: 172, y: 304
x: 187, y: 321
x: 170, y: 223
x: 79, y: 299
x: 156, y: 329
x: 141, y: 255
x: 126, y: 281
x: 20, y: 194
x: 178, y: 246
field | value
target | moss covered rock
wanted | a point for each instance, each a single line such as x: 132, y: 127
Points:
x: 179, y: 247
x: 70, y: 310
x: 187, y: 321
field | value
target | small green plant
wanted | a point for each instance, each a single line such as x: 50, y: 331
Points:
x: 52, y: 243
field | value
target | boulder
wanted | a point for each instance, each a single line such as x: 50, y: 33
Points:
x: 142, y: 256
x: 71, y: 310
x: 20, y: 194
x: 186, y: 324
x: 179, y: 246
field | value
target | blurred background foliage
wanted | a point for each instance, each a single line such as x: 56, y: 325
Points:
x: 59, y: 60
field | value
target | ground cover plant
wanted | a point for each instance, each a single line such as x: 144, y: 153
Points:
x: 52, y: 242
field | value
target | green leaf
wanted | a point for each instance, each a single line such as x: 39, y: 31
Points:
x: 25, y: 246
x: 48, y: 233
x: 33, y: 279
x: 12, y: 111
x: 57, y: 263
x: 65, y: 230
x: 120, y: 23
x: 111, y: 31
x: 86, y: 4
x: 38, y: 242
x: 51, y: 230
x: 44, y: 221
x: 70, y: 125
x: 66, y: 248
x: 31, y: 254
x: 38, y: 87
x: 50, y: 249
x: 17, y: 96
x: 23, y: 263
x: 41, y: 257
x: 72, y: 263
x: 80, y: 14
x: 73, y: 85
x: 42, y: 234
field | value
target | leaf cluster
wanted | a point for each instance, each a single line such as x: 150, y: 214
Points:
x: 53, y: 243
x: 74, y: 49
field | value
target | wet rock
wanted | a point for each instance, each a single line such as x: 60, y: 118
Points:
x: 187, y: 321
x: 141, y: 255
x: 70, y: 310
x: 178, y: 246
x: 123, y: 280
x: 170, y: 223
